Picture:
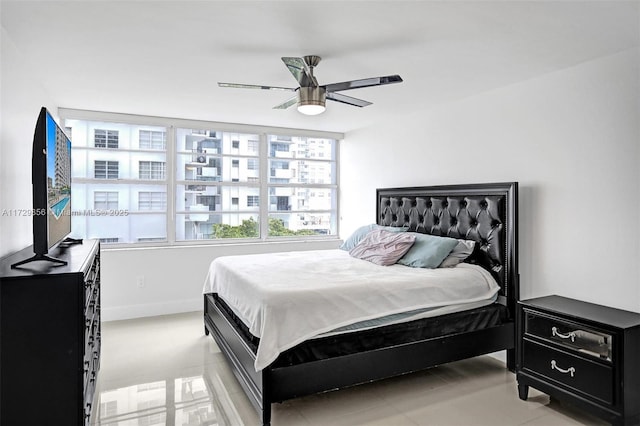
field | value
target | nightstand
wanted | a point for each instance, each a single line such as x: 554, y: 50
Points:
x: 581, y: 353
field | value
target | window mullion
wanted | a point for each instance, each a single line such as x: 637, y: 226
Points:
x: 172, y: 189
x: 264, y: 186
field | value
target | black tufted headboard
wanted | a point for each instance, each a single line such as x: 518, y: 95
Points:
x: 485, y: 213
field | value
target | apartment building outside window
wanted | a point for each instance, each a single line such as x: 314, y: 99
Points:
x: 106, y: 169
x: 103, y: 138
x: 152, y: 201
x: 150, y: 139
x: 152, y: 170
x: 105, y: 200
x: 202, y: 182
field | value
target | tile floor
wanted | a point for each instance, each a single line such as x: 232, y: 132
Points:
x: 165, y: 371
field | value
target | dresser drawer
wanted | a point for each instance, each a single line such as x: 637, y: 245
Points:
x: 570, y: 335
x: 594, y: 379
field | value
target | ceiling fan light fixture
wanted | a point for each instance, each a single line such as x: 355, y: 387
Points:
x: 311, y: 100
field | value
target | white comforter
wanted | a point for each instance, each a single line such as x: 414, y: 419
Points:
x: 287, y: 298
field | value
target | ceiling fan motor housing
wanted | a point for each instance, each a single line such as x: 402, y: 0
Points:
x: 312, y: 96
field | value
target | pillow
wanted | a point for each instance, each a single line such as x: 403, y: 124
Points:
x: 383, y: 247
x: 392, y: 228
x: 357, y: 236
x: 460, y: 252
x: 361, y: 232
x: 428, y: 251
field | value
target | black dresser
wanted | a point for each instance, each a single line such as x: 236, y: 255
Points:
x: 582, y: 353
x: 50, y: 337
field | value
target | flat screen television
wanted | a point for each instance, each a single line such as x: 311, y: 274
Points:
x: 51, y: 181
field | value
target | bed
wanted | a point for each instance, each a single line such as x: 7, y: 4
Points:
x: 329, y: 357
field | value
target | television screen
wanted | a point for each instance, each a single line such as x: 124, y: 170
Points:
x: 58, y: 183
x: 51, y: 182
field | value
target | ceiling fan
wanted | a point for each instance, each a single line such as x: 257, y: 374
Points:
x: 311, y: 96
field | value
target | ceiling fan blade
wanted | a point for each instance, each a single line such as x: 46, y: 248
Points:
x: 339, y: 97
x: 287, y: 103
x: 255, y: 86
x: 300, y: 71
x: 366, y: 82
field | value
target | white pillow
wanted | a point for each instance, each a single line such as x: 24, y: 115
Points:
x: 382, y: 247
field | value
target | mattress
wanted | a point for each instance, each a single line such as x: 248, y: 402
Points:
x: 287, y: 298
x: 320, y: 348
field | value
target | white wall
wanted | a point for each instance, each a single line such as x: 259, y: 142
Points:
x: 21, y: 97
x: 571, y: 138
x: 173, y: 277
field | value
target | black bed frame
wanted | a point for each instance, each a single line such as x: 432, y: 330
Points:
x: 486, y: 213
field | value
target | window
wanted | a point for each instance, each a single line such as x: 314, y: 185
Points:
x: 152, y: 170
x: 152, y: 139
x: 216, y: 184
x: 276, y: 147
x: 105, y: 138
x: 253, y: 200
x: 300, y: 202
x: 152, y: 201
x: 105, y: 200
x: 105, y: 169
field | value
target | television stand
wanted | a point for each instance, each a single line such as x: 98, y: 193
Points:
x: 68, y: 242
x: 50, y: 338
x: 37, y: 257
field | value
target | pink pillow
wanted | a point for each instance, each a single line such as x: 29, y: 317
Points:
x: 382, y: 247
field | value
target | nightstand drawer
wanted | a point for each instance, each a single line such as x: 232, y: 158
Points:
x: 591, y: 378
x: 570, y: 335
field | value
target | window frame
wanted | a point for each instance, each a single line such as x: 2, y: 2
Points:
x: 263, y: 157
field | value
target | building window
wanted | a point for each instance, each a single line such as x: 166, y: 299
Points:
x: 105, y: 169
x: 152, y: 139
x: 150, y: 239
x: 105, y: 138
x: 235, y: 144
x: 152, y: 170
x: 235, y: 163
x: 253, y: 200
x: 252, y: 164
x: 235, y: 201
x: 276, y: 147
x: 152, y: 201
x: 108, y: 240
x: 105, y: 200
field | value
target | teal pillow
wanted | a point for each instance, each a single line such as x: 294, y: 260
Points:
x: 428, y: 251
x: 357, y: 236
x: 362, y: 232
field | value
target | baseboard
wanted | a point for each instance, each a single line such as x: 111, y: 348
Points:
x: 150, y: 309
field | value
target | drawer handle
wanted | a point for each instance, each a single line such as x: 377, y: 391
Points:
x: 571, y: 335
x: 570, y: 370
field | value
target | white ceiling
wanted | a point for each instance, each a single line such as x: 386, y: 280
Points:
x: 165, y: 58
